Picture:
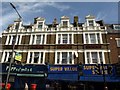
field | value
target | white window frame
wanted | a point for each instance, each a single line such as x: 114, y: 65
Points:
x: 60, y: 59
x: 43, y: 40
x: 98, y: 57
x: 118, y: 41
x: 39, y: 58
x: 61, y: 38
x: 96, y: 38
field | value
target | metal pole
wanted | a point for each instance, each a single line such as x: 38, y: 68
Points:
x: 104, y: 80
x: 12, y: 58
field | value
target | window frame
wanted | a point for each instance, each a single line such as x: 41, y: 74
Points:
x: 60, y: 39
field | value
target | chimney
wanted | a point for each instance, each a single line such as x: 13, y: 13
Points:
x: 75, y: 21
x: 55, y: 21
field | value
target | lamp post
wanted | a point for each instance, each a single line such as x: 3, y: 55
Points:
x: 12, y: 58
x: 104, y: 80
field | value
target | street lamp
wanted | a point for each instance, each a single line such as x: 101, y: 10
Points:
x: 104, y: 80
x: 12, y: 58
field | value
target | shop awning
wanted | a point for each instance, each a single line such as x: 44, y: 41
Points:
x: 31, y: 75
x: 62, y: 76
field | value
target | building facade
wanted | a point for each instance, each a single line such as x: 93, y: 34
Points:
x: 114, y: 42
x: 58, y: 43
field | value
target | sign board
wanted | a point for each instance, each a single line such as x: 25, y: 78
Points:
x: 28, y: 68
x: 62, y: 68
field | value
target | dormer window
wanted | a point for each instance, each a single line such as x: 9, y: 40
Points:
x: 65, y: 23
x: 91, y: 23
x: 17, y: 26
x: 116, y: 27
x: 40, y: 25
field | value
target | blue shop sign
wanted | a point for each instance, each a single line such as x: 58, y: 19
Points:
x: 28, y: 68
x: 92, y: 69
x: 63, y: 72
x: 62, y: 68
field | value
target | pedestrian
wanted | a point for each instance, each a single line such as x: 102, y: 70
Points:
x: 26, y: 86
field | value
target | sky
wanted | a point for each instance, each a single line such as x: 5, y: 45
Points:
x: 107, y: 11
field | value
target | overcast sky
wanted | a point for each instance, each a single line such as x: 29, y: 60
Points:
x: 108, y: 11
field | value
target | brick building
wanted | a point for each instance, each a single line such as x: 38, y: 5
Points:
x: 114, y: 42
x: 58, y: 43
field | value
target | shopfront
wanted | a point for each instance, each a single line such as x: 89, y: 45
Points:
x: 83, y: 77
x: 25, y: 75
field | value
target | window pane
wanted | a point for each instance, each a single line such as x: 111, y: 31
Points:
x: 5, y: 56
x: 13, y: 40
x: 92, y: 38
x: 65, y: 23
x: 9, y: 40
x: 86, y: 38
x: 59, y: 38
x: 64, y: 57
x: 58, y: 57
x: 70, y: 38
x: 70, y: 57
x: 10, y: 56
x: 100, y: 55
x: 18, y: 39
x: 98, y: 37
x: 43, y: 39
x: 33, y: 39
x: 88, y: 57
x: 36, y: 57
x: 30, y: 57
x: 64, y: 38
x: 91, y: 23
x: 94, y: 57
x: 38, y: 40
x: 17, y: 26
x: 40, y: 25
x: 41, y: 57
x: 118, y: 43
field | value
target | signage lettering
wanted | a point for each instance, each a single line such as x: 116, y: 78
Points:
x: 19, y: 69
x: 63, y: 68
x: 92, y: 69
